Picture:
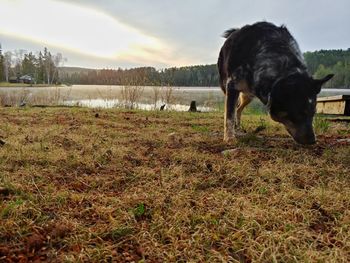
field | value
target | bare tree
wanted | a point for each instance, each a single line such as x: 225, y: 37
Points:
x: 167, y: 94
x: 131, y: 95
x: 48, y: 65
x: 156, y: 95
x: 7, y: 64
x: 58, y: 61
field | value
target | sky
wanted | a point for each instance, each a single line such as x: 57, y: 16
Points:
x: 160, y: 33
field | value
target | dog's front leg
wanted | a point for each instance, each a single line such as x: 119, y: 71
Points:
x: 230, y: 108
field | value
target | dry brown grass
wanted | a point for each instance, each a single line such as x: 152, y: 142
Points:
x: 77, y: 186
x: 53, y: 97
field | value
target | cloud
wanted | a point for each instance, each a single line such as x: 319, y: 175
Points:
x: 188, y: 32
x: 79, y: 29
x: 76, y: 59
x: 193, y: 28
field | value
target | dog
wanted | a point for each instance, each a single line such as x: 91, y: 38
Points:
x: 264, y: 61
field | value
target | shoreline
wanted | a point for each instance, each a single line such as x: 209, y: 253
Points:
x: 23, y: 85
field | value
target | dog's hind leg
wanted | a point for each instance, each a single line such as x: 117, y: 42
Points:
x: 231, y: 98
x: 244, y: 100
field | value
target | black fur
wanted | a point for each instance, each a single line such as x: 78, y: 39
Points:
x: 267, y: 58
x: 227, y: 33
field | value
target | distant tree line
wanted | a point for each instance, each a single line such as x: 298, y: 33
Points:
x: 323, y: 62
x: 320, y: 63
x: 203, y: 75
x: 47, y: 68
x: 42, y: 67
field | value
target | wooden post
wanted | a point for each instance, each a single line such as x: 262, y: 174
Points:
x: 193, y: 106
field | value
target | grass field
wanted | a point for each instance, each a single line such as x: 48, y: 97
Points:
x: 84, y: 185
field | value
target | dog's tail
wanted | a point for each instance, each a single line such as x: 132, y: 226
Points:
x: 227, y: 33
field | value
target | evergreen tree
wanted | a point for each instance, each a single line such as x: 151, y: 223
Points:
x: 29, y: 65
x: 40, y: 69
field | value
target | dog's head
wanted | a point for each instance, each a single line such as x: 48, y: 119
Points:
x: 293, y: 103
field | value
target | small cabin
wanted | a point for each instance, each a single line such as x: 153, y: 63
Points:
x: 27, y: 79
x: 13, y: 79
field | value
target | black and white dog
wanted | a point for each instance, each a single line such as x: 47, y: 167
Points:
x: 264, y: 61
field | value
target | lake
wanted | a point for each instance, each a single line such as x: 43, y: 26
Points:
x: 101, y: 96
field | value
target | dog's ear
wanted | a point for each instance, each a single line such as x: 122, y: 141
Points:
x: 317, y: 83
x: 324, y: 80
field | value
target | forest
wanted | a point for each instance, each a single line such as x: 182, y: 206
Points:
x: 320, y: 63
x: 43, y: 66
x: 47, y: 68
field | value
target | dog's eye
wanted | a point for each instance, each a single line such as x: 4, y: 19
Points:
x: 311, y: 101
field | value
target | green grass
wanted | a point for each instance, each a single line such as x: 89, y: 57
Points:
x: 321, y: 124
x: 135, y: 186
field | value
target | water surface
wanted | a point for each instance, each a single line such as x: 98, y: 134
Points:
x: 104, y: 96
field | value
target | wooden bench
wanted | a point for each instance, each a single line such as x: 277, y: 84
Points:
x: 338, y: 105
